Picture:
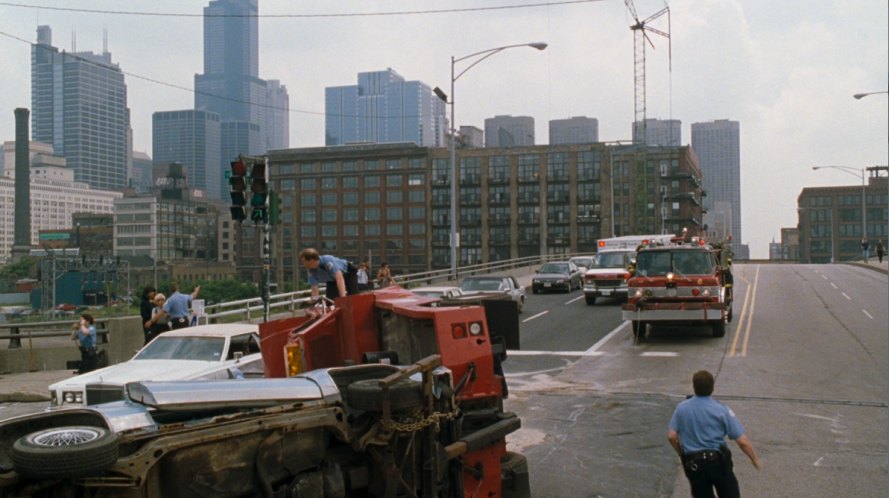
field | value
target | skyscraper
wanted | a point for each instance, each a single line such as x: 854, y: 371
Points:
x: 277, y: 122
x: 193, y: 139
x: 509, y: 131
x: 718, y: 144
x: 79, y: 105
x: 576, y: 130
x: 384, y: 108
x: 663, y: 132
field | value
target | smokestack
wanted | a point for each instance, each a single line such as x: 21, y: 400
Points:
x: 22, y: 241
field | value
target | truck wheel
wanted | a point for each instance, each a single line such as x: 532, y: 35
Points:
x: 718, y: 328
x: 639, y: 330
x: 367, y: 395
x: 65, y: 452
x: 591, y: 300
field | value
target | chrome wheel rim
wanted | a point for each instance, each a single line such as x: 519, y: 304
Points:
x: 66, y: 437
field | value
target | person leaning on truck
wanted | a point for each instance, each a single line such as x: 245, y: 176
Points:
x: 339, y: 275
x: 697, y: 432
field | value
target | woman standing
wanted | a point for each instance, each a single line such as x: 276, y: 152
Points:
x: 159, y: 321
x: 384, y: 275
x: 84, y: 332
x: 145, y: 308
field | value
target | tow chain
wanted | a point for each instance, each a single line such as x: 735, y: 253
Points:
x: 415, y: 421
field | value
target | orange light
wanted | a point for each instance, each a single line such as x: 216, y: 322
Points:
x: 644, y: 242
x: 458, y: 330
x: 293, y: 360
x: 601, y: 243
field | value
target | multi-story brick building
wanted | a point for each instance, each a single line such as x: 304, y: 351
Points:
x: 392, y: 202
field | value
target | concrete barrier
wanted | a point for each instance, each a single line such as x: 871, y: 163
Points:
x: 125, y: 337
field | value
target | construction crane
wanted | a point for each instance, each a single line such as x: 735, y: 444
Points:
x: 640, y: 37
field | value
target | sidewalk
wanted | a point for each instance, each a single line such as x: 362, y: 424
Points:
x: 30, y: 387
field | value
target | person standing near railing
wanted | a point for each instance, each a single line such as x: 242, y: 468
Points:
x: 84, y: 332
x: 339, y: 276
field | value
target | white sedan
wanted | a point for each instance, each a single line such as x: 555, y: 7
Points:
x: 205, y: 352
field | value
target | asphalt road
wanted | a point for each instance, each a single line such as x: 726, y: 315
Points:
x: 804, y: 365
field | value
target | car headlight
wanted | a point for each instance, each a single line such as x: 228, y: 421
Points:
x: 706, y: 292
x: 637, y: 293
x: 560, y: 281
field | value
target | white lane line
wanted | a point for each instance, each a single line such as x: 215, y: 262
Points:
x: 518, y: 352
x: 538, y: 315
x: 575, y: 299
x: 846, y: 296
x: 818, y: 462
x: 868, y: 314
x: 834, y: 285
x: 660, y: 354
x: 824, y: 277
x: 611, y: 334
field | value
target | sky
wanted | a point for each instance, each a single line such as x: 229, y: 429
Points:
x: 785, y: 70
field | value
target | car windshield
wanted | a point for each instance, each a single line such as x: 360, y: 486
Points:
x: 585, y: 262
x: 554, y: 268
x: 611, y: 260
x: 183, y: 348
x: 481, y: 284
x: 681, y: 262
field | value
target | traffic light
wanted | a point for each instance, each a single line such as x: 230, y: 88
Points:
x: 259, y: 194
x: 238, y: 183
x: 274, y: 208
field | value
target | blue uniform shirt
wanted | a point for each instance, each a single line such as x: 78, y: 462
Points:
x: 177, y: 305
x: 703, y: 423
x: 327, y: 268
x: 87, y: 340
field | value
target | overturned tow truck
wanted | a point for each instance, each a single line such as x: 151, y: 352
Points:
x: 385, y: 394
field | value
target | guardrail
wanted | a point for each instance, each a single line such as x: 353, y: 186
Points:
x: 15, y: 332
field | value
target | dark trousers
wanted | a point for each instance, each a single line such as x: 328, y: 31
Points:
x: 351, y: 279
x: 706, y: 475
x: 87, y: 360
x: 179, y: 323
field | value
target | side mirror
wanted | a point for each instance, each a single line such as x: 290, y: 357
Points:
x: 238, y: 356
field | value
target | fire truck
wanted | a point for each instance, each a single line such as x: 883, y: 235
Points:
x: 685, y: 282
x: 611, y: 269
x: 380, y: 394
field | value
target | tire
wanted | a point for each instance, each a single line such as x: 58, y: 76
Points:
x: 514, y: 476
x: 639, y: 328
x: 367, y: 395
x: 591, y: 300
x: 64, y: 452
x: 718, y: 328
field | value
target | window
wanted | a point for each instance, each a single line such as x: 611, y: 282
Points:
x: 372, y: 197
x: 416, y: 179
x: 328, y: 199
x: 417, y: 196
x: 350, y: 182
x: 394, y: 180
x: 371, y: 181
x: 328, y: 183
x: 371, y: 214
x: 307, y: 184
x: 394, y: 197
x: 417, y: 213
x: 394, y: 214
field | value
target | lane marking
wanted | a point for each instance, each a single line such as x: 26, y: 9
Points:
x: 575, y: 299
x: 824, y: 277
x: 846, y: 296
x: 746, y: 320
x: 538, y: 315
x: 749, y: 323
x: 660, y: 354
x: 868, y: 314
x: 519, y: 352
x: 742, y: 317
x: 818, y: 462
x: 611, y: 334
x: 834, y: 285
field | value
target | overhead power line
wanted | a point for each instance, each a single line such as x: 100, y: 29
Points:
x: 300, y: 16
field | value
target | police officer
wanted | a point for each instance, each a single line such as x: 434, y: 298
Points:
x: 697, y: 432
x: 340, y: 276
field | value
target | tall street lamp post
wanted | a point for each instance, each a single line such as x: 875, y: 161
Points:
x: 484, y: 54
x: 861, y: 173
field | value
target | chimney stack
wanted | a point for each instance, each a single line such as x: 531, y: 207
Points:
x: 22, y: 241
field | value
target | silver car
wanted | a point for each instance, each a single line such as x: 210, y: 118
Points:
x: 491, y: 284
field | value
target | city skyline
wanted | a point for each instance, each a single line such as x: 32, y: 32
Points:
x: 784, y: 73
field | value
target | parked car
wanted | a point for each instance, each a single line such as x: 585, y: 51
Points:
x: 583, y: 263
x: 490, y: 284
x: 559, y: 275
x: 205, y: 352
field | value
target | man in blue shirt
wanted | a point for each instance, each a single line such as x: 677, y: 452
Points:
x: 340, y: 276
x: 84, y: 332
x: 697, y: 432
x: 177, y: 307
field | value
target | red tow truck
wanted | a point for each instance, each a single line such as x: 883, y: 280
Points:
x: 685, y: 282
x: 382, y: 394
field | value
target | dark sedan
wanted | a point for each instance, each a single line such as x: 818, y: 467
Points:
x: 562, y: 275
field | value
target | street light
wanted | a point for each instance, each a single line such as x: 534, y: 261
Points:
x: 861, y: 174
x: 484, y: 54
x: 859, y: 96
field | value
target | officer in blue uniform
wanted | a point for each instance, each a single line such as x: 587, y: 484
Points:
x: 697, y: 432
x: 339, y: 275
